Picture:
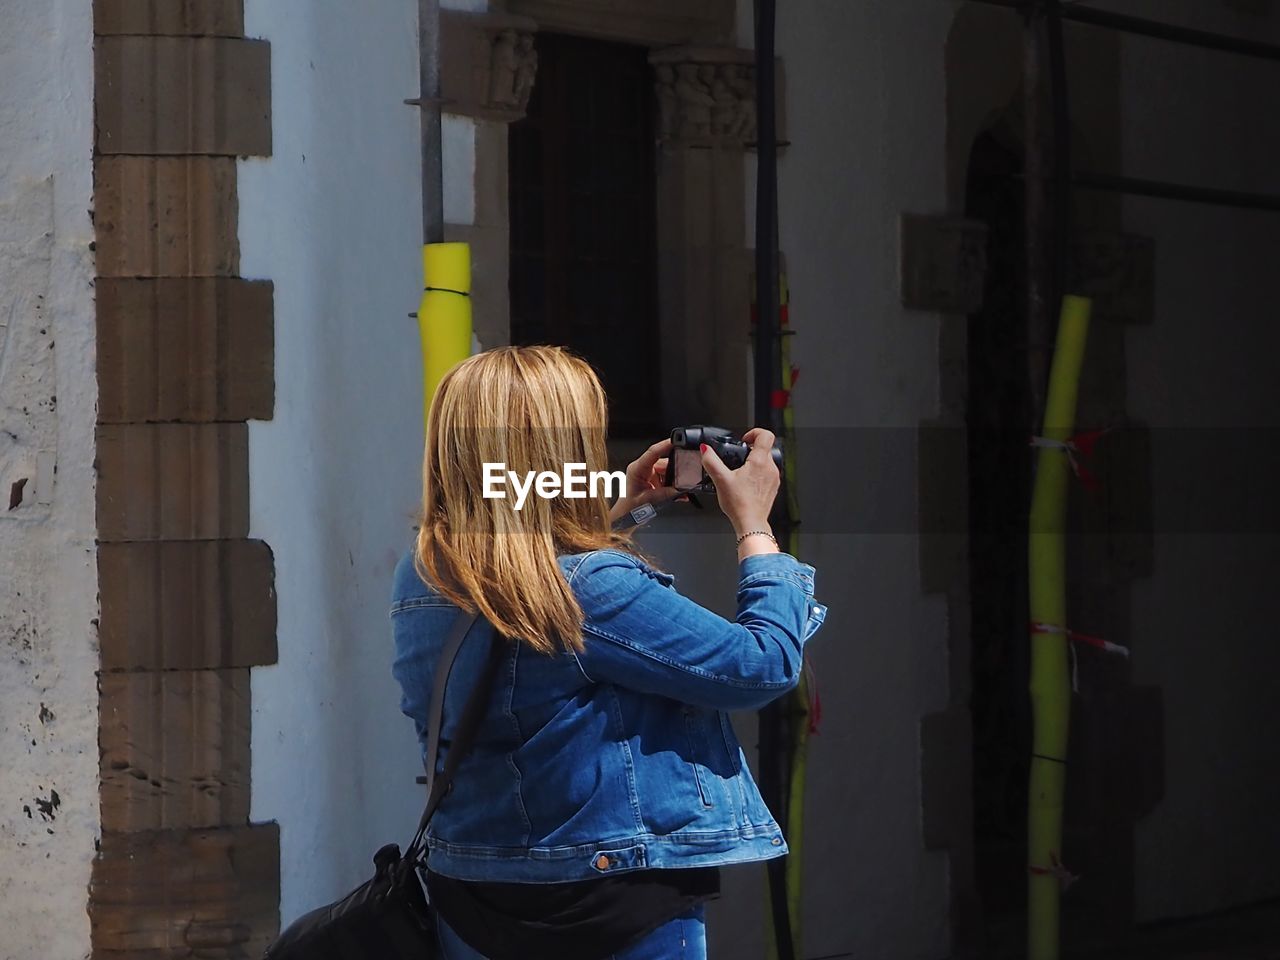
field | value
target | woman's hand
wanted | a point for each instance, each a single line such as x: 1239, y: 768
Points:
x: 746, y: 495
x: 646, y: 478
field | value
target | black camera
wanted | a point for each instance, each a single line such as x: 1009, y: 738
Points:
x: 685, y: 466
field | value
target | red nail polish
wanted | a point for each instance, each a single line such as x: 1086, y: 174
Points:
x: 702, y: 448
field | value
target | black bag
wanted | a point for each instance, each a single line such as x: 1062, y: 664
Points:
x: 388, y: 917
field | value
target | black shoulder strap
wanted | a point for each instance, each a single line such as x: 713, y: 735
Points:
x: 472, y: 712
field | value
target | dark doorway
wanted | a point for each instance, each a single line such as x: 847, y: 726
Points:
x: 1100, y: 792
x: 583, y: 219
x: 999, y: 420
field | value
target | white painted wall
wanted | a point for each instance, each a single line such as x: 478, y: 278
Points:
x: 1203, y: 624
x: 865, y: 114
x: 865, y: 117
x: 333, y: 218
x: 48, y: 397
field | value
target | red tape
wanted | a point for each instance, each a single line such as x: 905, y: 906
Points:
x: 1077, y: 448
x: 1086, y: 441
x: 1064, y: 876
x: 1081, y: 638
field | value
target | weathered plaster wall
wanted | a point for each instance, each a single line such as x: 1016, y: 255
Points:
x: 48, y: 576
x: 1204, y: 621
x: 333, y: 218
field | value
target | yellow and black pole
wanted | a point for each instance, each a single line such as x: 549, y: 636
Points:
x: 799, y: 700
x: 790, y: 740
x: 444, y: 313
x: 1048, y: 164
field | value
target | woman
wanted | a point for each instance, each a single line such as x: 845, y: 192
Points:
x: 605, y: 787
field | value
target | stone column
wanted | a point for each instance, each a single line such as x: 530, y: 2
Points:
x: 706, y: 124
x: 489, y: 64
x: 185, y: 357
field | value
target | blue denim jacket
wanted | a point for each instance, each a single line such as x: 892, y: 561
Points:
x: 621, y: 757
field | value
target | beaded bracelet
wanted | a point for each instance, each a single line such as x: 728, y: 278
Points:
x: 756, y: 533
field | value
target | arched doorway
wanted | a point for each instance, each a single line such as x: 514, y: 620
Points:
x: 985, y: 165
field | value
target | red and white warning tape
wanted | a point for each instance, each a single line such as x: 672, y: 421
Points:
x: 1077, y: 448
x: 1064, y: 876
x: 1083, y: 638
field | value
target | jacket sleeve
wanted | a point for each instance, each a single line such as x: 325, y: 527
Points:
x: 640, y: 633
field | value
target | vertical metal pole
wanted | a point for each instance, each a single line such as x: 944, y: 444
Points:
x: 429, y: 109
x: 444, y: 312
x: 1038, y: 149
x: 767, y: 300
x: 768, y: 373
x: 1060, y: 174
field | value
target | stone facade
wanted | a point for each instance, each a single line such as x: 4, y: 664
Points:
x: 185, y: 357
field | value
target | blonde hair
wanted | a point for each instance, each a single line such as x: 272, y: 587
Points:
x: 534, y: 409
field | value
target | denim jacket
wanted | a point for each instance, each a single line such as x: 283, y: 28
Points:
x: 621, y: 757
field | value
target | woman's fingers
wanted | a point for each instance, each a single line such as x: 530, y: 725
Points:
x: 760, y: 439
x: 659, y: 476
x: 746, y: 495
x: 643, y: 465
x: 659, y: 449
x: 714, y: 466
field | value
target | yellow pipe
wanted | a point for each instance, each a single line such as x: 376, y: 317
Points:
x: 799, y: 712
x: 444, y: 313
x: 1050, y: 673
x: 798, y: 702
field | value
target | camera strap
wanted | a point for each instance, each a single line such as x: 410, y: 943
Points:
x: 647, y: 512
x: 468, y: 724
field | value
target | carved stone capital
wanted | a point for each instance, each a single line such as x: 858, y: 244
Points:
x: 706, y: 96
x: 488, y: 64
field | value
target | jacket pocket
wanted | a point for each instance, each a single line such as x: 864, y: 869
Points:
x: 696, y: 733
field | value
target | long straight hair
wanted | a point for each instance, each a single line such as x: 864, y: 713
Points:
x: 532, y: 409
